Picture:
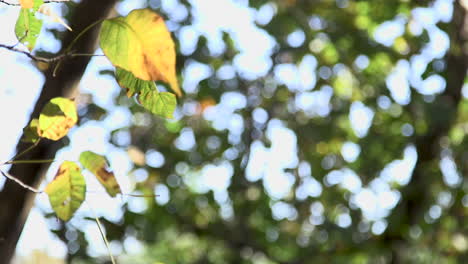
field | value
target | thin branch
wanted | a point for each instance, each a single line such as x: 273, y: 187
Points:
x: 72, y: 43
x: 23, y: 152
x: 55, y: 1
x: 24, y: 185
x: 45, y: 2
x: 29, y: 161
x: 140, y: 195
x: 125, y: 194
x: 60, y: 57
x: 102, y: 233
x: 32, y: 57
x: 47, y: 60
x: 8, y: 3
x: 86, y: 55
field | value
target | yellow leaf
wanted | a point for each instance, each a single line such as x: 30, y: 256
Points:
x: 140, y: 43
x: 57, y: 117
x: 44, y: 9
x: 98, y: 166
x: 26, y: 3
x: 67, y: 191
x: 136, y: 155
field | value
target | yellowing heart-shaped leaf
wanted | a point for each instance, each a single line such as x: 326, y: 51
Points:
x: 98, y: 166
x: 57, y: 117
x: 67, y: 191
x: 27, y: 26
x: 140, y: 43
x: 159, y: 103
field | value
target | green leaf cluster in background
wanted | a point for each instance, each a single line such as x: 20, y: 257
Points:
x: 314, y: 156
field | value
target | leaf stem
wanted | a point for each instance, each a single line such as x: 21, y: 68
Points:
x: 29, y: 161
x: 69, y: 47
x: 23, y: 152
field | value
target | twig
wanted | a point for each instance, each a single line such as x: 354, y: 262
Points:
x: 102, y: 233
x: 47, y: 60
x: 24, y: 151
x: 8, y: 3
x: 140, y: 195
x: 24, y: 185
x: 125, y: 194
x: 45, y: 2
x: 72, y: 43
x: 32, y: 57
x: 86, y: 55
x: 29, y: 161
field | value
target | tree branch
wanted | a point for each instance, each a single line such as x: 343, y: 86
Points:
x: 34, y: 58
x: 45, y: 2
x: 416, y: 196
x: 24, y: 185
x: 47, y: 60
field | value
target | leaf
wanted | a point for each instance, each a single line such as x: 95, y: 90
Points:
x: 159, y: 103
x: 30, y: 132
x: 140, y: 43
x: 26, y: 3
x: 133, y: 85
x: 27, y: 26
x: 57, y: 117
x: 98, y: 166
x: 136, y: 155
x: 46, y: 10
x: 67, y: 191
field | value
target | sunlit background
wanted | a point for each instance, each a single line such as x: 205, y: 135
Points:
x: 314, y: 82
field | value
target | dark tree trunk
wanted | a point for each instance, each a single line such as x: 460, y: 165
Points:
x: 15, y: 201
x: 416, y: 197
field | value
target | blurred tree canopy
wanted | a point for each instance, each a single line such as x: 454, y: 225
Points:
x: 310, y: 131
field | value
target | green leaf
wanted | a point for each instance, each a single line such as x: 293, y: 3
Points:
x: 57, y: 117
x: 133, y: 85
x: 67, y: 191
x: 27, y: 26
x: 159, y: 103
x: 98, y: 166
x: 141, y: 44
x: 30, y: 132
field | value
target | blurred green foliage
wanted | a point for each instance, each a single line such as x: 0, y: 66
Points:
x: 197, y: 225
